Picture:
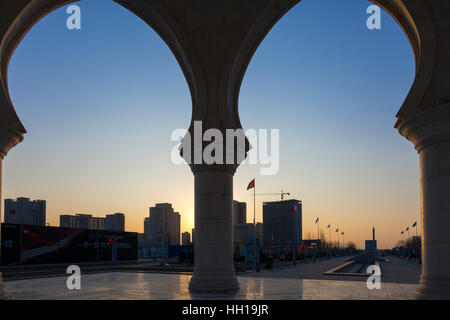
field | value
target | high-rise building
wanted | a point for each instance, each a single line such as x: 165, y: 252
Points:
x: 24, y: 211
x: 238, y: 218
x: 82, y: 221
x: 243, y: 233
x: 185, y: 239
x: 162, y: 226
x: 115, y: 222
x: 259, y: 229
x: 282, y: 222
x: 239, y: 212
x: 96, y: 223
x: 67, y: 221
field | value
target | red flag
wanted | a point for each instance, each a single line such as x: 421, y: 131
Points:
x: 294, y: 208
x: 109, y: 241
x: 251, y: 185
x: 302, y: 248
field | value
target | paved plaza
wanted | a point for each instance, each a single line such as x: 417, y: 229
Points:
x: 302, y: 282
x: 145, y: 286
x: 395, y: 270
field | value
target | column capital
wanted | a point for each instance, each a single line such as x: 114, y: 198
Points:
x: 196, y: 168
x: 9, y: 138
x: 428, y: 127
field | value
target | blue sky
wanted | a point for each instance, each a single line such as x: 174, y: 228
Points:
x: 100, y: 103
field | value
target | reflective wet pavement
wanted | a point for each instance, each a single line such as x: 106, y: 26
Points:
x: 144, y: 286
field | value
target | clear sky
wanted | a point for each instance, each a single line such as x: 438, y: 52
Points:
x: 100, y: 103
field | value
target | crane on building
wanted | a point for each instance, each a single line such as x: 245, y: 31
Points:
x: 282, y: 194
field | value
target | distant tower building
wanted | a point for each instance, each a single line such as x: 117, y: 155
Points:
x: 371, y: 245
x: 259, y: 233
x: 239, y: 212
x: 67, y: 221
x: 162, y: 224
x: 185, y: 239
x: 82, y: 221
x: 115, y: 222
x: 96, y: 223
x: 282, y: 222
x: 238, y: 218
x: 24, y: 211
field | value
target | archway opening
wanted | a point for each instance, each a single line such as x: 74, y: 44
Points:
x: 99, y: 105
x: 333, y: 88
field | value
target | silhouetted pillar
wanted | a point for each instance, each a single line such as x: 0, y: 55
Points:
x: 8, y: 139
x: 430, y: 132
x: 214, y: 268
x: 2, y: 288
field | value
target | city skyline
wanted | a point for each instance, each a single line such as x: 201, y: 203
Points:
x: 325, y: 162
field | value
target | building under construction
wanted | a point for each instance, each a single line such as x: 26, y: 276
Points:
x: 282, y: 222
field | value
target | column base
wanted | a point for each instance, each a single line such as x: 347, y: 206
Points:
x: 3, y: 294
x: 213, y: 282
x: 433, y: 290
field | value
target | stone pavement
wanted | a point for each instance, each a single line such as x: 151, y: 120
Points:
x: 156, y: 286
x: 396, y: 270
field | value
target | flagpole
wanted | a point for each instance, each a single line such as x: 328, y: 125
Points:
x: 343, y: 241
x: 254, y: 205
x: 338, y: 240
x: 318, y: 233
x: 254, y: 225
x: 329, y: 233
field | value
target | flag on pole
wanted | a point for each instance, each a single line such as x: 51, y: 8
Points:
x: 407, y: 229
x: 342, y: 233
x: 329, y: 226
x: 317, y: 220
x: 251, y: 185
x: 415, y: 224
x: 402, y: 232
x: 337, y: 230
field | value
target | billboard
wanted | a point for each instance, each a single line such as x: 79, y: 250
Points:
x: 25, y: 244
x: 10, y: 249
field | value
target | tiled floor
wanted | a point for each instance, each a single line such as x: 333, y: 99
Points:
x: 130, y: 286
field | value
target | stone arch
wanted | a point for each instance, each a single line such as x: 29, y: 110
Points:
x: 24, y: 15
x: 214, y: 41
x: 412, y: 17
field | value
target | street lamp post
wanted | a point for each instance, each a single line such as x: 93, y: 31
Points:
x: 294, y: 253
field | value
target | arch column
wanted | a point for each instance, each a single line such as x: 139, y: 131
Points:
x: 2, y: 287
x: 430, y: 133
x: 9, y: 137
x: 424, y: 119
x: 214, y: 267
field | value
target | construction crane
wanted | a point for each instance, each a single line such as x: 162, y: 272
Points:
x: 282, y: 194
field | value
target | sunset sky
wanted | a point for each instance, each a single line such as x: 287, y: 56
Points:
x: 100, y: 104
